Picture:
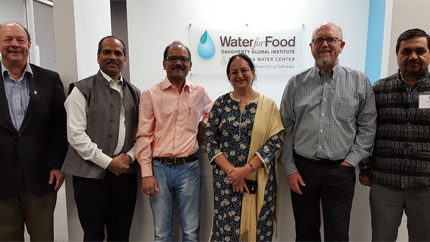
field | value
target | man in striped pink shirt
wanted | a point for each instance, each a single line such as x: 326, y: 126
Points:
x: 171, y: 128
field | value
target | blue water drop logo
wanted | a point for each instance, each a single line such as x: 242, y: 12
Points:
x: 206, y: 46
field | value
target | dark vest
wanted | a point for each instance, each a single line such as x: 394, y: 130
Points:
x: 401, y: 155
x: 103, y: 123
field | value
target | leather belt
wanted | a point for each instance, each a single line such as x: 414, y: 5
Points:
x: 176, y: 160
x: 319, y: 161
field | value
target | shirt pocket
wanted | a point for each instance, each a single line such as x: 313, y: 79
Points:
x: 193, y: 119
x: 345, y: 109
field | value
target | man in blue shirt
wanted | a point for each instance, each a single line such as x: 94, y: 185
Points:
x: 33, y: 140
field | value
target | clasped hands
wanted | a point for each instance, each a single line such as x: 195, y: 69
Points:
x: 236, y: 177
x: 119, y: 164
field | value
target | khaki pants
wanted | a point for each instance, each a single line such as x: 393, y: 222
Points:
x: 37, y: 213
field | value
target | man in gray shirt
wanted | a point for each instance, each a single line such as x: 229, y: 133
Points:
x: 329, y: 116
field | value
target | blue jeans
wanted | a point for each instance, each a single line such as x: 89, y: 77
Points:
x: 183, y: 181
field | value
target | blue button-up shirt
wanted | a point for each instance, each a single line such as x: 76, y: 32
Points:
x: 17, y: 94
x: 328, y: 116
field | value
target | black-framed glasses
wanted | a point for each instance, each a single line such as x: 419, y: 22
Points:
x: 236, y: 72
x: 174, y: 59
x: 329, y: 40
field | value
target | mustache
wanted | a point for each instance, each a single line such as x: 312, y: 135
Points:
x: 180, y: 67
x: 413, y: 62
x: 112, y: 62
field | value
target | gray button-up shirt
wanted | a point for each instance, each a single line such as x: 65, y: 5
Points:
x: 17, y: 94
x: 328, y: 116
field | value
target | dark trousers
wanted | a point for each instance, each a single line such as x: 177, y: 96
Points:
x: 106, y: 202
x: 331, y: 184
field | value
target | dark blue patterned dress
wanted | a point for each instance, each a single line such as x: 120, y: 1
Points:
x: 229, y: 132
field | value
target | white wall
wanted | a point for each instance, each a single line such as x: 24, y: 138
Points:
x: 153, y: 24
x: 13, y: 10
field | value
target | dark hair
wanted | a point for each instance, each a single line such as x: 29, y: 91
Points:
x: 246, y: 58
x: 411, y: 33
x: 26, y: 30
x: 176, y: 42
x: 124, y: 49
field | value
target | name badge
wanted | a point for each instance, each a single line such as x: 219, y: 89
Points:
x: 424, y: 101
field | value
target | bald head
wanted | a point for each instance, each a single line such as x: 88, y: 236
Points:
x: 19, y: 25
x: 328, y: 25
x: 326, y: 45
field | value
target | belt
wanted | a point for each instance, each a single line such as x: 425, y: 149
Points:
x: 320, y: 161
x: 176, y: 160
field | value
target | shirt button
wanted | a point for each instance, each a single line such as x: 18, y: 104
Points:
x: 16, y: 100
x: 321, y: 130
x: 177, y: 137
x: 19, y: 116
x: 175, y: 149
x: 319, y: 146
x: 324, y: 99
x: 326, y: 83
x: 322, y: 114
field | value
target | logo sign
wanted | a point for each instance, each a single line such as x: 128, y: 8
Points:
x: 206, y: 46
x: 274, y: 52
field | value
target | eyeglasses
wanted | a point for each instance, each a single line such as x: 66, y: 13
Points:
x: 329, y: 40
x: 236, y: 72
x: 174, y: 59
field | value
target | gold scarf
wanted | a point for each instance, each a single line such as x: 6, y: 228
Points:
x: 267, y: 123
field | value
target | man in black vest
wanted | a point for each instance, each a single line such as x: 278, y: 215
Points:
x: 400, y: 166
x: 102, y: 117
x: 33, y: 140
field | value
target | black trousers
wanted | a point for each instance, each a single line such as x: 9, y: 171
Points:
x: 106, y: 202
x: 331, y: 184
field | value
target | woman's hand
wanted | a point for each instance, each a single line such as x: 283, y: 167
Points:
x: 241, y: 188
x: 237, y: 175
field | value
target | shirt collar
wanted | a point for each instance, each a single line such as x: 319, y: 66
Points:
x: 6, y: 71
x: 399, y: 73
x: 110, y: 80
x: 333, y: 72
x: 167, y: 84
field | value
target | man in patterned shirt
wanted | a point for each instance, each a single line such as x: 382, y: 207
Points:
x: 400, y: 167
x: 329, y: 116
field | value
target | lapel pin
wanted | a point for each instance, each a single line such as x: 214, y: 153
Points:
x: 35, y: 92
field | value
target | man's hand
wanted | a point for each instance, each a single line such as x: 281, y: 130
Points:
x: 126, y: 159
x: 344, y: 163
x: 294, y: 180
x: 119, y: 164
x: 364, y: 178
x: 58, y: 175
x: 149, y: 186
x: 201, y: 134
